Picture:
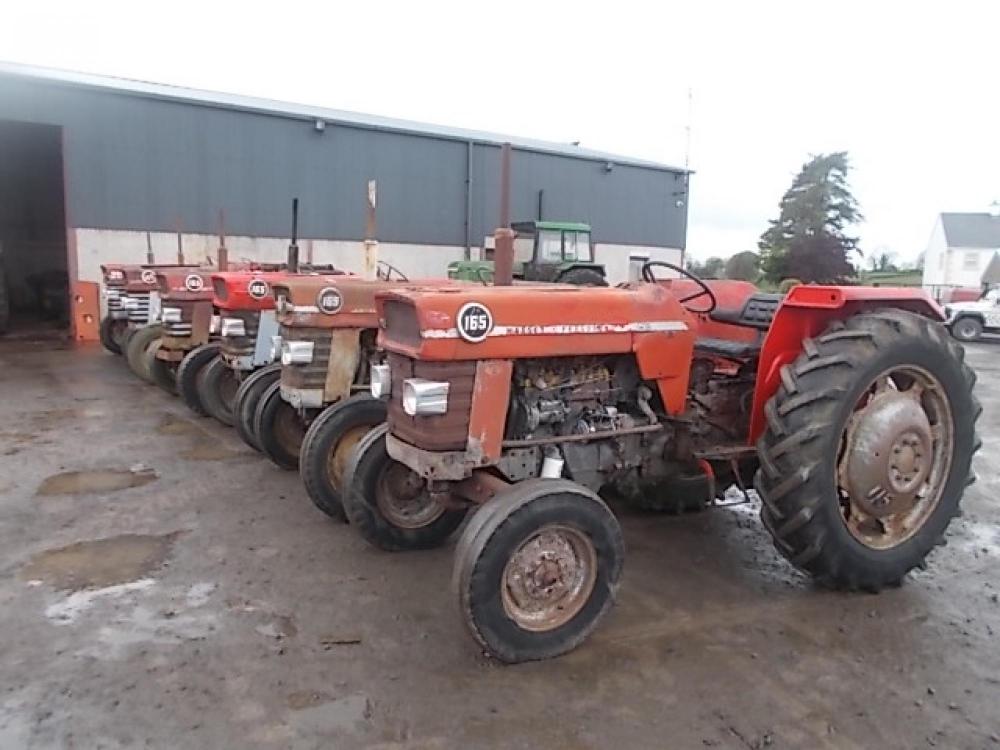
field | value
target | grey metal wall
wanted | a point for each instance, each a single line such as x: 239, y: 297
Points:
x: 141, y: 163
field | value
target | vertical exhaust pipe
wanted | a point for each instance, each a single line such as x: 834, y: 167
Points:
x: 503, y: 238
x: 223, y: 250
x: 150, y: 258
x: 293, y: 248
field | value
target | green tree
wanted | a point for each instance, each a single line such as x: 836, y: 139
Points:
x: 743, y: 266
x: 883, y: 260
x: 711, y: 268
x: 809, y: 239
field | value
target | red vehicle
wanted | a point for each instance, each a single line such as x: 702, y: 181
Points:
x: 850, y: 406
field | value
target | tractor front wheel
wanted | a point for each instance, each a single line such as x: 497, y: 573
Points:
x: 248, y: 398
x: 389, y: 504
x: 112, y: 334
x: 327, y: 448
x: 189, y: 374
x: 217, y: 389
x: 537, y: 568
x: 163, y: 373
x: 279, y: 428
x: 868, y: 449
x: 136, y: 349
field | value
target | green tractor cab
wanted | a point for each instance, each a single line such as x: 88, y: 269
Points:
x: 558, y: 251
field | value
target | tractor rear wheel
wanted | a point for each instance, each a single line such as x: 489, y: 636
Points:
x: 279, y: 428
x: 583, y: 277
x: 112, y: 334
x: 163, y: 373
x: 247, y: 399
x: 327, y: 447
x: 537, y: 568
x: 217, y: 389
x: 189, y: 373
x: 868, y: 449
x: 389, y: 505
x: 138, y: 344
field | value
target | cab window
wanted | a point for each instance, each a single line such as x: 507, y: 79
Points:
x: 549, y: 246
x: 577, y: 246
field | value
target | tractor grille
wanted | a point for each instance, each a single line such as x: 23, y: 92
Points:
x: 185, y: 326
x: 113, y: 296
x: 138, y: 312
x: 312, y: 375
x: 439, y: 432
x: 241, y: 346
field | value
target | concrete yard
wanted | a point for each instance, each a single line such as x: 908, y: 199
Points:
x: 163, y: 586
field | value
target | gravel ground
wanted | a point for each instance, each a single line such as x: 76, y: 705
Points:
x: 163, y: 586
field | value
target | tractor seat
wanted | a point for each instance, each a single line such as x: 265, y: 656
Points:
x: 757, y: 312
x: 728, y: 349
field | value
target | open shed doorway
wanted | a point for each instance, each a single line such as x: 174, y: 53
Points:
x: 34, y: 274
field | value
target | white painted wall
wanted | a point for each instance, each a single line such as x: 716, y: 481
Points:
x: 958, y: 274
x: 97, y: 246
x: 934, y: 257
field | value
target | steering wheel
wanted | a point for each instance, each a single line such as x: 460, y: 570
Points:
x: 385, y: 271
x: 703, y: 291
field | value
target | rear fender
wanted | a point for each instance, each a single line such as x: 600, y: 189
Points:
x: 805, y: 313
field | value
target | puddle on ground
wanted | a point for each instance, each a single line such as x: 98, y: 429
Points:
x: 98, y: 480
x: 100, y: 563
x: 172, y: 425
x: 350, y: 713
x: 210, y: 452
x: 307, y: 699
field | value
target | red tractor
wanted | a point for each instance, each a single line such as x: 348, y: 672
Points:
x: 132, y: 301
x: 247, y: 332
x: 850, y: 406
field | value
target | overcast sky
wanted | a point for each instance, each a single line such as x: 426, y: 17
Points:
x: 911, y: 90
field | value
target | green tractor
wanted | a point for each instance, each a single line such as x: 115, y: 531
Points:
x: 558, y: 251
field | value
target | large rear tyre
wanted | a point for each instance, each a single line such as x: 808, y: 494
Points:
x: 327, y: 448
x: 138, y: 346
x: 217, y: 389
x: 112, y: 334
x: 389, y: 505
x: 247, y: 400
x: 868, y: 448
x: 189, y: 372
x: 163, y: 373
x: 279, y: 428
x: 537, y: 568
x: 583, y: 277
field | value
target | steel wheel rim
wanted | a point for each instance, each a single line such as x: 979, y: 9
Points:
x: 340, y: 454
x: 549, y: 578
x: 402, y: 497
x: 895, y: 456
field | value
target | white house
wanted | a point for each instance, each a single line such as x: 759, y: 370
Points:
x: 960, y: 250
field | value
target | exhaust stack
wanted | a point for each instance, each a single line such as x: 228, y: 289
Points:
x: 293, y: 248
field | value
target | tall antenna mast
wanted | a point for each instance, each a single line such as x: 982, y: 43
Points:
x: 687, y: 130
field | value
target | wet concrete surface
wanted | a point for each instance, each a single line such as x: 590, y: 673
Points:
x: 216, y: 607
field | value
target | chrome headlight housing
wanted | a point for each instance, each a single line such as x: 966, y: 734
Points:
x: 381, y: 380
x: 275, y: 347
x: 170, y: 315
x: 233, y: 327
x: 422, y: 397
x: 296, y: 352
x: 214, y: 323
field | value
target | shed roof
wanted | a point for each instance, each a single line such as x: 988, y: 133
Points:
x: 308, y: 112
x: 971, y: 230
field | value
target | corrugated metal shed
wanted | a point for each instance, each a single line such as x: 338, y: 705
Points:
x: 148, y: 156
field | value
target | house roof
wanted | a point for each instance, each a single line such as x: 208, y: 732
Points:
x: 304, y: 111
x: 971, y: 230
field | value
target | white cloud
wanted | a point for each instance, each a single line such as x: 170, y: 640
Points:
x: 908, y: 89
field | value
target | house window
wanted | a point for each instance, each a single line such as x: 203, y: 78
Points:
x: 970, y: 261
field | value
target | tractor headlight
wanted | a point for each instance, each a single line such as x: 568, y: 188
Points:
x: 381, y: 380
x: 171, y: 315
x: 424, y: 397
x: 214, y: 323
x: 233, y: 327
x: 296, y: 352
x: 129, y: 303
x: 275, y: 347
x: 110, y: 294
